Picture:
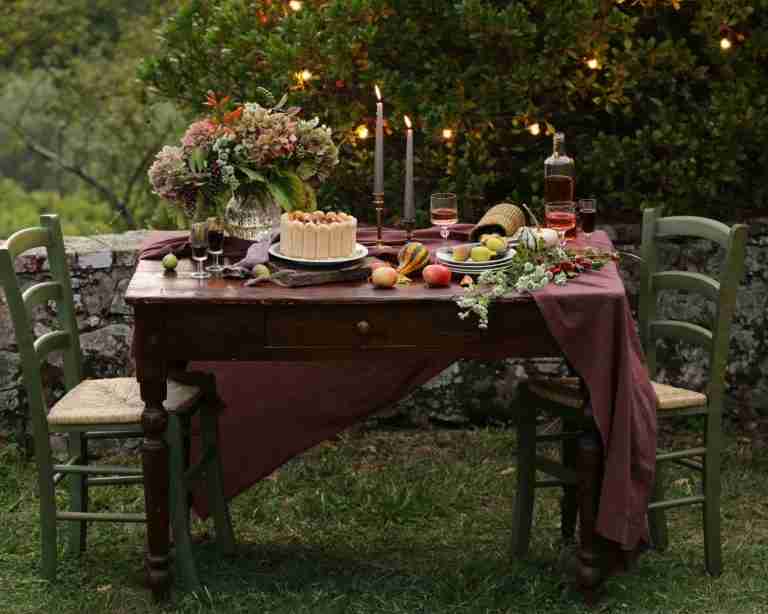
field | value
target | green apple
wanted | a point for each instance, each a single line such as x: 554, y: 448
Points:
x: 260, y: 271
x: 480, y: 253
x: 496, y: 244
x: 169, y: 262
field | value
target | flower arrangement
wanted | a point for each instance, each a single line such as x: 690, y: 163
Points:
x: 531, y: 269
x: 244, y: 149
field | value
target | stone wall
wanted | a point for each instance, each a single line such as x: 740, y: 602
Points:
x: 470, y: 390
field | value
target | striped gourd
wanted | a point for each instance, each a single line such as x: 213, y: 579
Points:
x: 412, y: 258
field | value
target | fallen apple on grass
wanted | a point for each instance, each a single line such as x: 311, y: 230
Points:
x: 437, y: 275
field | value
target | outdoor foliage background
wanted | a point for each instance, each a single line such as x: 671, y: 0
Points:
x: 668, y: 117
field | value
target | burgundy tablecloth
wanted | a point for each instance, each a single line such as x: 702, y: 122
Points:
x: 277, y: 410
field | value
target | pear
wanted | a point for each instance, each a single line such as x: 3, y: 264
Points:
x: 461, y: 252
x: 481, y: 253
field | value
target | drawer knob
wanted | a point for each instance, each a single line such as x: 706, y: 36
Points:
x: 363, y: 327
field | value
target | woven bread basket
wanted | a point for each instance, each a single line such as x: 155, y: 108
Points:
x: 503, y: 219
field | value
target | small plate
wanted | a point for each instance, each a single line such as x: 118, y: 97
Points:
x: 361, y: 251
x: 444, y: 255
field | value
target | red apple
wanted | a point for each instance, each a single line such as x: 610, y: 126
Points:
x: 384, y: 277
x: 437, y: 275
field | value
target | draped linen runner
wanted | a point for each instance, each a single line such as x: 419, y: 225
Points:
x: 276, y: 410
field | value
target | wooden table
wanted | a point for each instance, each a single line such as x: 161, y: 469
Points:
x: 179, y: 318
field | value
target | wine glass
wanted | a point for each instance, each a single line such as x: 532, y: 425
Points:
x: 444, y: 211
x: 561, y: 217
x: 588, y: 214
x: 198, y: 240
x: 215, y: 242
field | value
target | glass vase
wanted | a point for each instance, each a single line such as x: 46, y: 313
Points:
x: 252, y: 216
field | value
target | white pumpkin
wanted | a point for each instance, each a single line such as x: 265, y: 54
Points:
x: 529, y: 237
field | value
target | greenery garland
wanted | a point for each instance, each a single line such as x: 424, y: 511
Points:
x: 528, y: 271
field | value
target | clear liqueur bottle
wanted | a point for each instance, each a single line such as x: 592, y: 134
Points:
x: 559, y: 173
x: 560, y: 176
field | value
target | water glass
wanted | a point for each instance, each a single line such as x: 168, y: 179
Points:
x: 444, y: 211
x: 561, y: 217
x: 198, y: 241
x: 215, y: 242
x: 588, y: 215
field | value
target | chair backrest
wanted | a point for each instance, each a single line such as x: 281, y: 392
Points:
x: 21, y: 304
x: 721, y: 291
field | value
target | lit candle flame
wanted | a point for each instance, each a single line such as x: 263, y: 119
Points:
x: 534, y: 129
x: 378, y: 92
x: 362, y: 131
x: 725, y: 43
x: 407, y: 121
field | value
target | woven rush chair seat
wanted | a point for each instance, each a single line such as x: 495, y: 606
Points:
x: 566, y: 391
x: 114, y: 401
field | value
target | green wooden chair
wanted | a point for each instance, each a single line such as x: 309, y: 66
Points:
x: 566, y: 398
x: 100, y: 409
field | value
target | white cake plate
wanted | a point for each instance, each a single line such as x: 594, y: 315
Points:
x: 361, y: 251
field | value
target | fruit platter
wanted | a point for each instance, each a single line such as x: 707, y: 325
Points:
x: 491, y: 252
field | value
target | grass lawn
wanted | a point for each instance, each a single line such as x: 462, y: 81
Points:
x: 390, y: 522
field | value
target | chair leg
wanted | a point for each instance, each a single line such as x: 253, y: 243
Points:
x: 526, y: 475
x: 48, y: 545
x: 569, y: 504
x: 657, y: 519
x: 186, y: 570
x: 713, y: 555
x: 209, y: 427
x: 78, y: 494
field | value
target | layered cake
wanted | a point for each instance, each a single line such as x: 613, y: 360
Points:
x: 317, y: 235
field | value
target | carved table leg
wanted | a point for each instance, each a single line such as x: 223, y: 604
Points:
x: 151, y: 372
x: 589, y: 463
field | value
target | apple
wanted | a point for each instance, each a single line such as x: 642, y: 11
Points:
x: 170, y: 261
x: 384, y: 277
x: 437, y: 275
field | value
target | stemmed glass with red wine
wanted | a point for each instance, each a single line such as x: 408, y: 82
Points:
x: 215, y: 242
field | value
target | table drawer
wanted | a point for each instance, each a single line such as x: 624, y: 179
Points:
x: 364, y: 326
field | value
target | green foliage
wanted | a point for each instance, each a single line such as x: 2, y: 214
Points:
x: 80, y: 214
x: 667, y: 117
x: 71, y: 115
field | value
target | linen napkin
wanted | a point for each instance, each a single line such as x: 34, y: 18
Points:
x: 257, y: 253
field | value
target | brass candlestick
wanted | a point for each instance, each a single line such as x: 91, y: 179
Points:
x: 378, y: 202
x: 408, y: 225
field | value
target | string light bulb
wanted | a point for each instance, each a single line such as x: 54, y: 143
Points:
x: 303, y: 76
x: 725, y: 43
x: 295, y: 5
x: 593, y: 63
x: 447, y: 134
x: 362, y: 132
x: 534, y: 129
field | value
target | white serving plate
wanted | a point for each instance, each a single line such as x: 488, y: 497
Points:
x: 458, y: 269
x: 444, y: 256
x: 361, y: 251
